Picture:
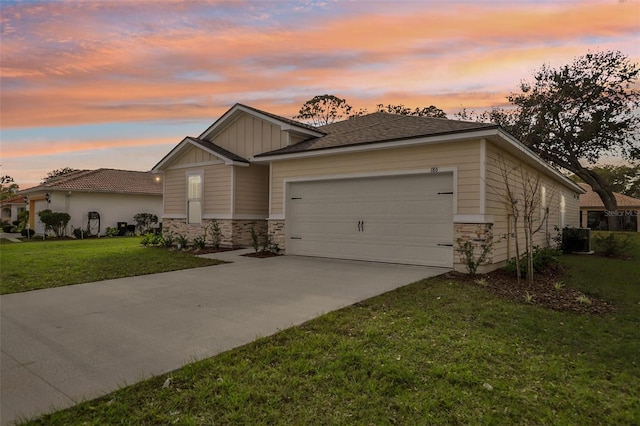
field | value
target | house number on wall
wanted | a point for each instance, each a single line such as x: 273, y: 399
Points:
x: 434, y: 170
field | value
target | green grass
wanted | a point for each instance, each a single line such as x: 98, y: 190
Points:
x: 43, y: 264
x: 434, y: 352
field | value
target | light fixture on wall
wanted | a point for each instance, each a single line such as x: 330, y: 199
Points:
x: 47, y: 197
x: 26, y: 199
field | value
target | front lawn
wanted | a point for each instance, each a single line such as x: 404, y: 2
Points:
x: 439, y: 351
x: 36, y: 264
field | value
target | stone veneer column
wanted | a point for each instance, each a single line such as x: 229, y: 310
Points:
x: 481, y: 236
x: 276, y: 230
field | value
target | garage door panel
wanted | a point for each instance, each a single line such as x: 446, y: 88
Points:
x: 401, y: 219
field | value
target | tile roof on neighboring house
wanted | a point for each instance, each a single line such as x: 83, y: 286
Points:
x: 103, y: 180
x: 18, y: 199
x: 592, y: 199
x: 379, y: 127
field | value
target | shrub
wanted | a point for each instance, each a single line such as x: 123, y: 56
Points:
x: 467, y: 251
x: 199, y: 242
x: 167, y: 239
x: 55, y: 221
x: 7, y: 228
x: 182, y: 241
x: 216, y: 234
x: 145, y: 221
x: 111, y: 231
x: 543, y: 259
x: 29, y: 232
x: 254, y: 239
x: 151, y: 239
x: 80, y: 233
x: 612, y: 245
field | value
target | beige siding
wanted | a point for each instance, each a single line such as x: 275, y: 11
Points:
x: 252, y: 190
x: 498, y: 207
x: 194, y: 156
x: 248, y: 136
x: 216, y: 189
x: 463, y: 155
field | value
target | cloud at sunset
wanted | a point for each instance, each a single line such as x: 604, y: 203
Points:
x: 100, y: 62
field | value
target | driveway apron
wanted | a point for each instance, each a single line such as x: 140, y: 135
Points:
x: 64, y: 345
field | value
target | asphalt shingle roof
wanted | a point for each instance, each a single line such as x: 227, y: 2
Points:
x: 217, y: 149
x: 592, y: 199
x: 379, y: 127
x: 105, y: 180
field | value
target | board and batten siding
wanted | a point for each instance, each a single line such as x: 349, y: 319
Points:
x: 252, y: 190
x: 248, y: 136
x: 216, y: 189
x: 194, y: 156
x: 463, y: 156
x: 498, y: 207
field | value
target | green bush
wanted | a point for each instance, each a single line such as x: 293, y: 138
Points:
x: 7, y: 228
x: 80, y: 233
x: 544, y: 258
x: 145, y: 221
x: 575, y: 240
x: 182, y: 242
x: 612, y: 245
x: 55, y: 221
x: 29, y: 232
x: 111, y: 231
x: 167, y: 239
x: 199, y: 242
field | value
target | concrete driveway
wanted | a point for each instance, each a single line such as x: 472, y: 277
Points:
x: 64, y: 345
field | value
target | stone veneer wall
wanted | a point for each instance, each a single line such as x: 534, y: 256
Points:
x: 276, y: 230
x: 481, y: 236
x: 235, y: 233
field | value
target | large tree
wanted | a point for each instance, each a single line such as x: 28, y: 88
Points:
x: 8, y: 187
x: 324, y: 109
x: 621, y: 179
x: 573, y: 115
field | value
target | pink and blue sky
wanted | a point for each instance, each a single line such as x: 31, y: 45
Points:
x: 89, y: 84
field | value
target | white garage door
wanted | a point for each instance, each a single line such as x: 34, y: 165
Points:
x: 398, y: 219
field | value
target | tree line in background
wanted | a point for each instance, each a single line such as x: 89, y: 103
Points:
x: 571, y: 116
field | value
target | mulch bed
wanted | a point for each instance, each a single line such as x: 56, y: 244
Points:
x: 542, y: 292
x: 262, y: 254
x: 208, y: 250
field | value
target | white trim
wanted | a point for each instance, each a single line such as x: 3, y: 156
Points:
x: 483, y: 176
x: 270, y: 186
x: 276, y: 217
x: 188, y: 174
x: 202, y: 164
x: 233, y: 190
x: 473, y: 218
x: 286, y: 181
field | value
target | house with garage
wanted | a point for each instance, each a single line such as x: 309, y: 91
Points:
x: 11, y: 208
x: 96, y: 199
x: 593, y: 214
x: 379, y: 187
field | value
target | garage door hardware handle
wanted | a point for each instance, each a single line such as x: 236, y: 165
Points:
x: 445, y: 193
x: 296, y: 238
x: 445, y: 245
x: 361, y: 226
x: 296, y: 198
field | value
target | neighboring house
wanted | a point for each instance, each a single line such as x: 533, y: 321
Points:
x: 593, y: 214
x: 380, y: 187
x: 96, y: 199
x: 12, y: 207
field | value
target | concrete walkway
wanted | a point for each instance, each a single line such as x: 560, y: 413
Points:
x: 63, y: 345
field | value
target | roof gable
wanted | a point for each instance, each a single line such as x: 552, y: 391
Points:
x: 187, y: 143
x: 103, y: 180
x: 285, y: 124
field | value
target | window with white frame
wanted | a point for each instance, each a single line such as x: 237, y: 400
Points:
x: 194, y: 198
